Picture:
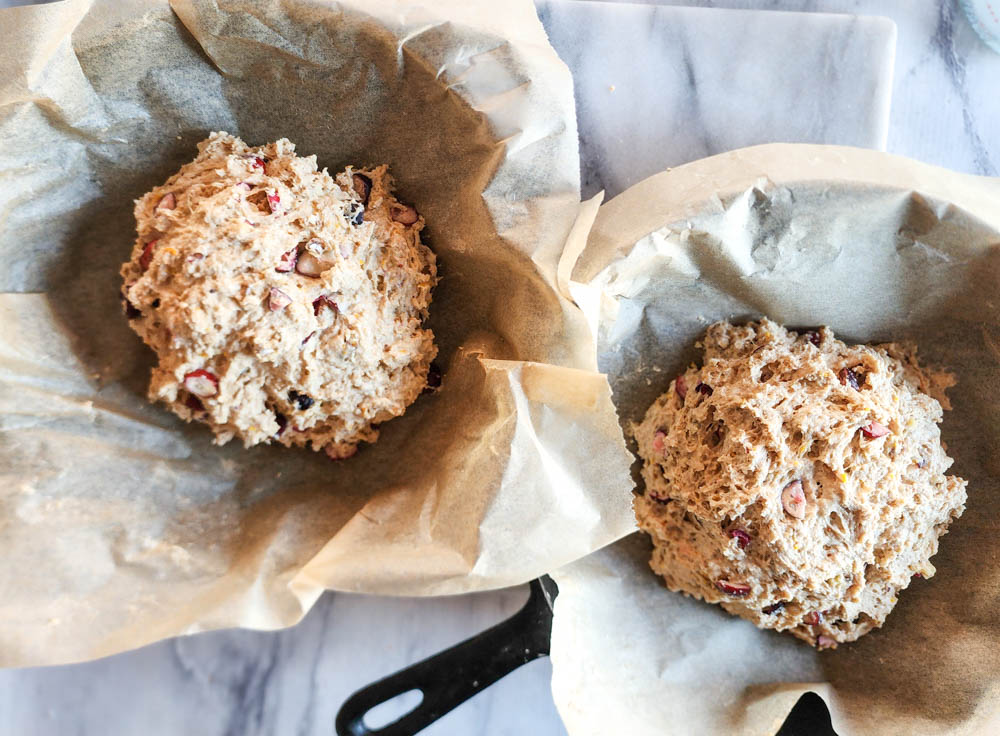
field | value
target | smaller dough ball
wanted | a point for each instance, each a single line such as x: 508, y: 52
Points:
x: 282, y: 305
x: 797, y: 481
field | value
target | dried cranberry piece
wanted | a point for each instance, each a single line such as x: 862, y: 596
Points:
x: 814, y: 337
x: 201, y: 383
x: 658, y: 438
x: 849, y: 378
x: 282, y: 422
x: 918, y: 575
x: 704, y: 388
x: 288, y: 261
x: 307, y: 337
x: 273, y: 200
x: 874, y: 430
x: 357, y: 214
x: 813, y: 618
x: 773, y: 608
x: 258, y: 162
x: 304, y: 401
x: 793, y: 499
x: 730, y: 587
x: 363, y: 186
x: 681, y: 387
x: 741, y: 537
x: 433, y: 379
x: 825, y: 642
x: 147, y: 254
x: 130, y: 310
x: 194, y: 403
x: 324, y: 301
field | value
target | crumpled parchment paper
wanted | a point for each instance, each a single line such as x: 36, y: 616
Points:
x: 879, y: 248
x: 121, y: 525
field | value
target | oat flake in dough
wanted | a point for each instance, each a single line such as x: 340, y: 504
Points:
x: 797, y: 481
x: 283, y: 305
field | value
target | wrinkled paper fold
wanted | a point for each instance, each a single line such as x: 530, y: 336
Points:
x: 121, y: 524
x: 878, y: 248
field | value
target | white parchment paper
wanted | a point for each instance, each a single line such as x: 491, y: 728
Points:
x: 119, y: 524
x: 879, y: 248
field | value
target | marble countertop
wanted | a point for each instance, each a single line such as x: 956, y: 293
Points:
x: 656, y: 87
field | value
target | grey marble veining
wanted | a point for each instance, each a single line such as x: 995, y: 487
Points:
x: 660, y: 86
x: 946, y: 103
x: 946, y: 87
x: 245, y: 683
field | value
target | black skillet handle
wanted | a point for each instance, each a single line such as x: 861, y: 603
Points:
x: 450, y: 678
x: 809, y: 717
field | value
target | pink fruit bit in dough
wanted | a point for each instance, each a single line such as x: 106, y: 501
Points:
x: 260, y: 281
x: 843, y: 510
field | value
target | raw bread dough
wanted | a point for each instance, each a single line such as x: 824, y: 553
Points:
x: 797, y: 481
x: 282, y: 305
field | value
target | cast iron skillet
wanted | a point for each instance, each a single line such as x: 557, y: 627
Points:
x: 453, y: 676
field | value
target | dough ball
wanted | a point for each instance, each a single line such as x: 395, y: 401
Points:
x: 283, y: 305
x: 797, y: 481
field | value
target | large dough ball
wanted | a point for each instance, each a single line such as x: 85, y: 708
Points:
x: 797, y: 481
x: 283, y: 305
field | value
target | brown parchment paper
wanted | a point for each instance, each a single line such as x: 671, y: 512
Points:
x: 879, y: 248
x: 119, y: 524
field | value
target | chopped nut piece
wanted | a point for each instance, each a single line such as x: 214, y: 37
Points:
x: 403, y: 214
x: 278, y: 300
x: 168, y: 202
x: 340, y: 453
x: 311, y: 266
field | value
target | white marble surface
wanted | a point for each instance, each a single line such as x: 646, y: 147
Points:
x: 946, y: 87
x: 945, y: 107
x: 661, y: 86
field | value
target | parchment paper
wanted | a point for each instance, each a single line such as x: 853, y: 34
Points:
x: 119, y: 524
x: 878, y: 248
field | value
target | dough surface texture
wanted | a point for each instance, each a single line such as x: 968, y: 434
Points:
x: 283, y: 304
x: 797, y: 481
